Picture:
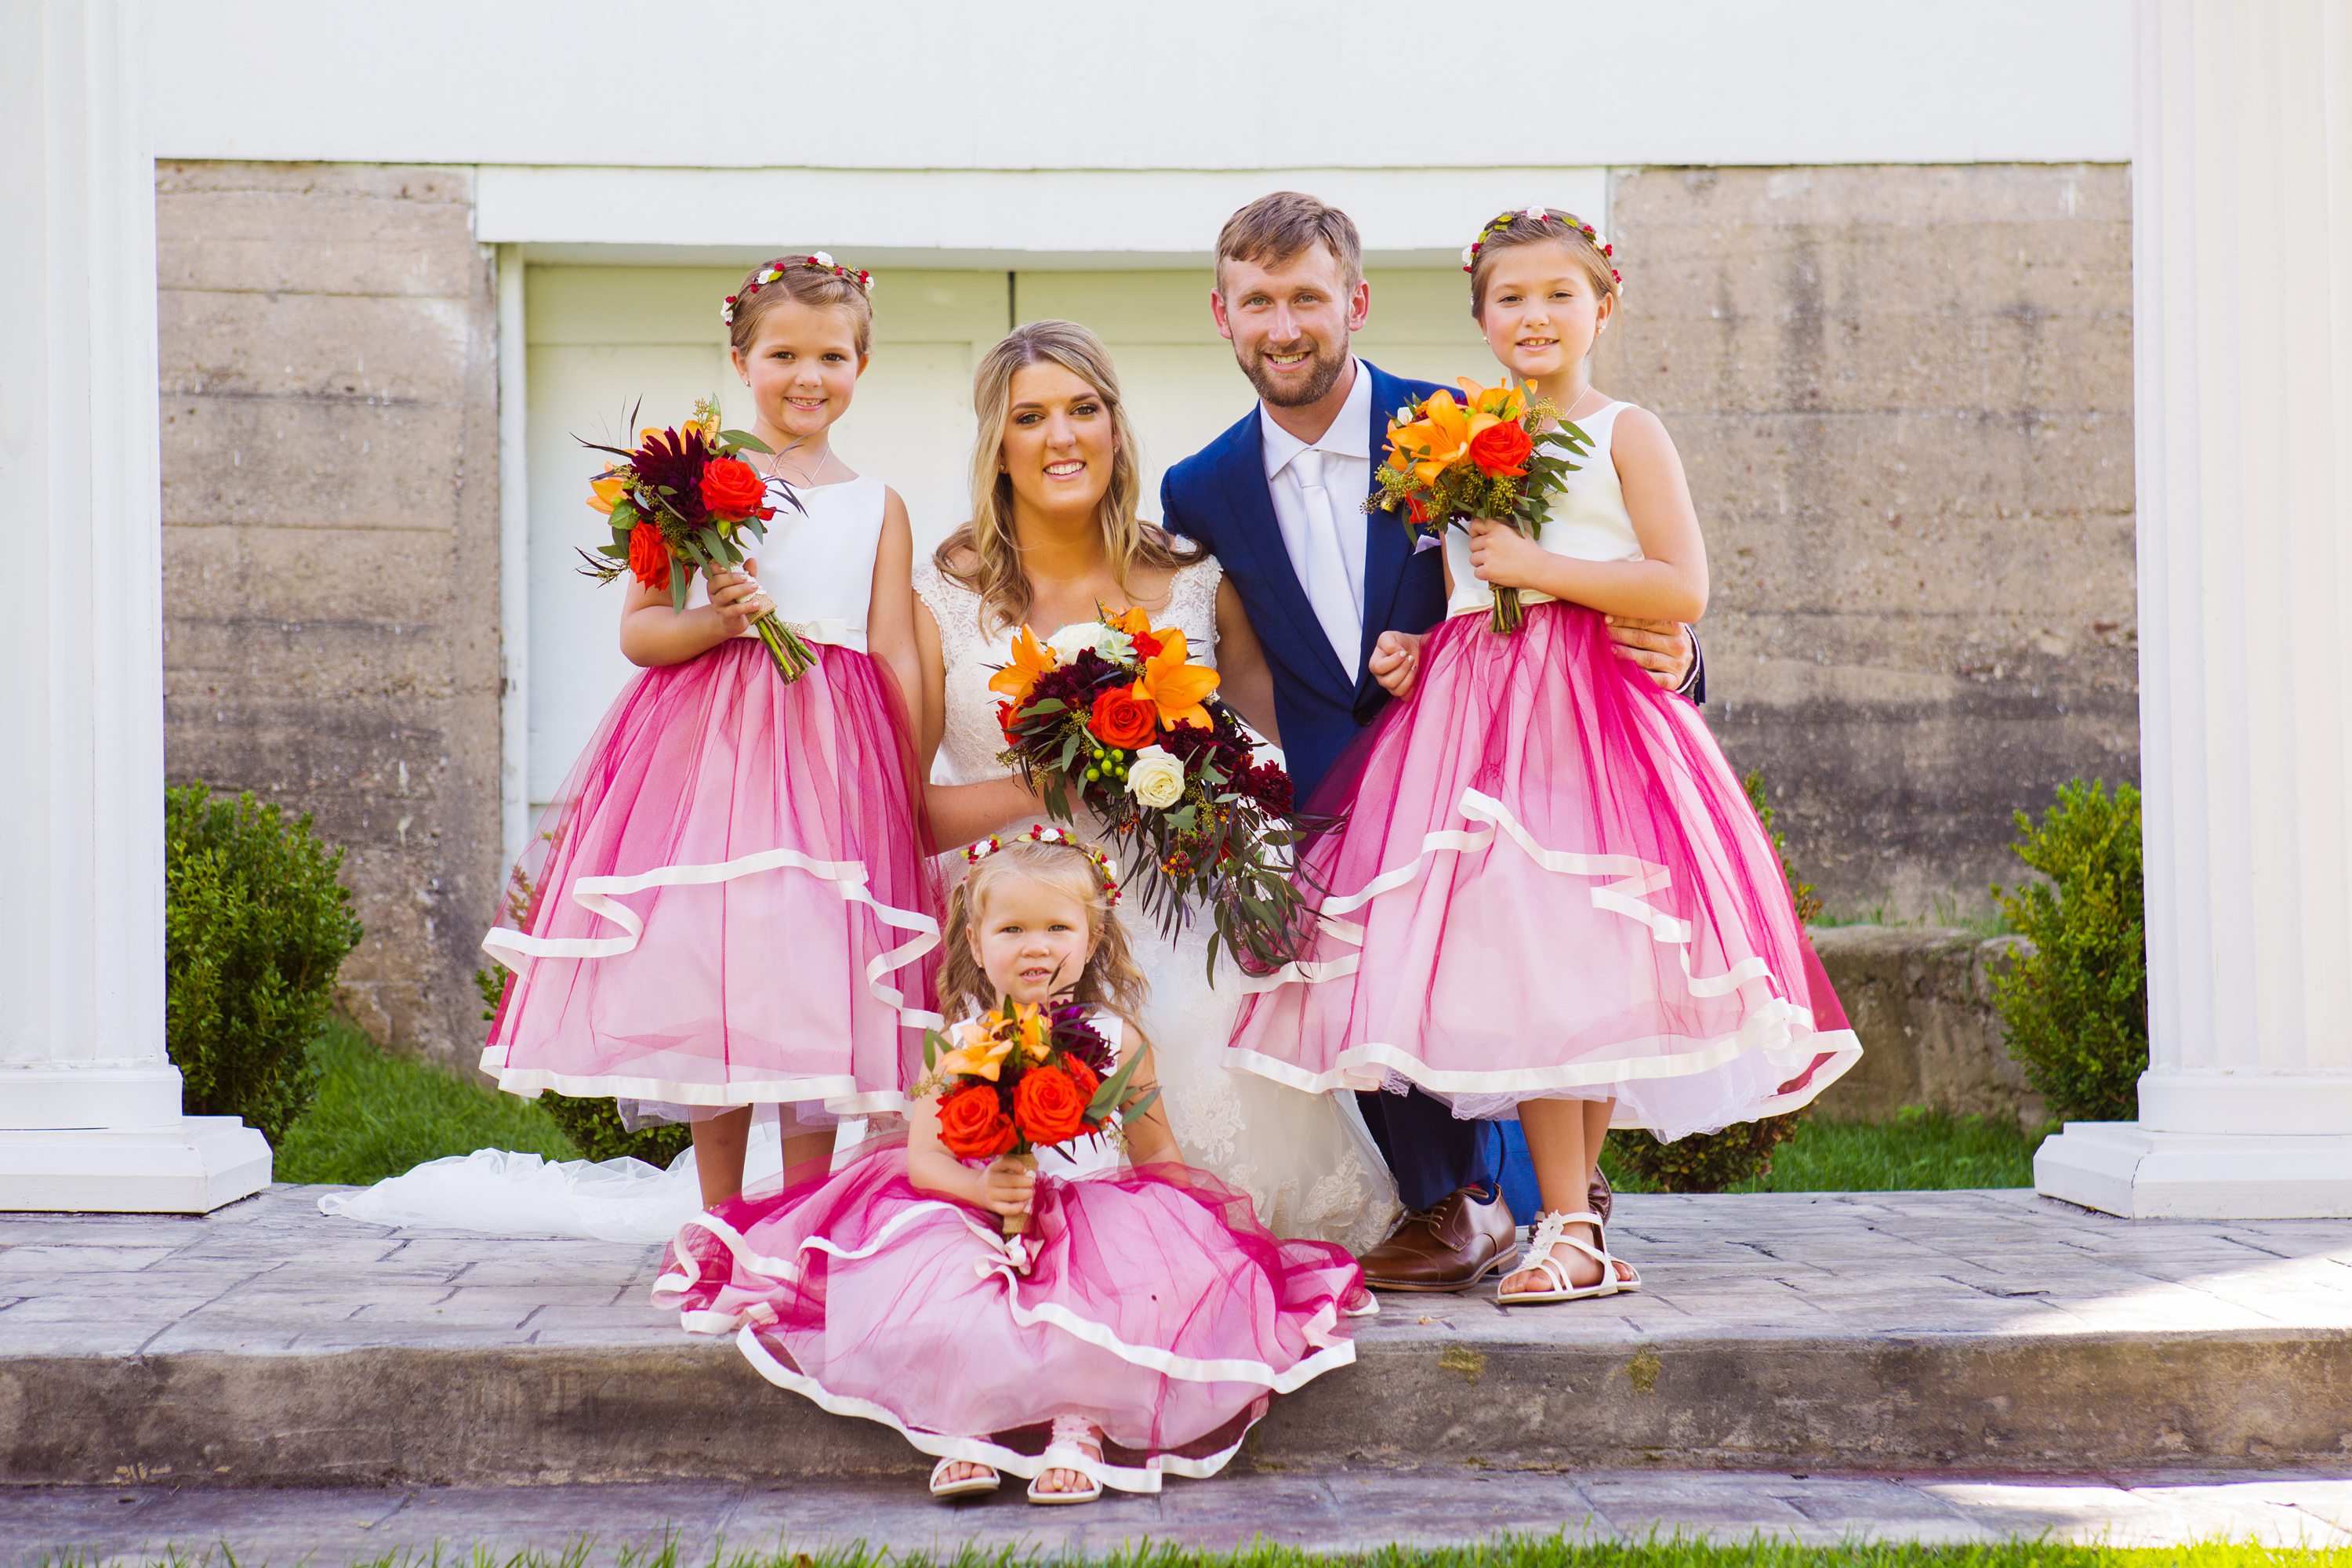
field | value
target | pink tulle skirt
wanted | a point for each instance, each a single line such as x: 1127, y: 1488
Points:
x: 1150, y: 1302
x: 1548, y: 883
x: 731, y: 902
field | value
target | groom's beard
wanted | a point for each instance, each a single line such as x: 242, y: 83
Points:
x: 1324, y: 369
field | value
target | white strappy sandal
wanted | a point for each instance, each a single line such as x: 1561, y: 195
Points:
x: 1551, y: 1233
x: 970, y: 1486
x: 1063, y: 1453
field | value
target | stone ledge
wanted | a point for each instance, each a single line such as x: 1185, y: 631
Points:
x: 267, y: 1345
x: 1921, y: 1001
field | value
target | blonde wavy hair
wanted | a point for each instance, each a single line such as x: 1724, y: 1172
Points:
x: 985, y: 555
x: 1111, y: 979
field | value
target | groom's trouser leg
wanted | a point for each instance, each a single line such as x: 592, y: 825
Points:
x: 1432, y: 1152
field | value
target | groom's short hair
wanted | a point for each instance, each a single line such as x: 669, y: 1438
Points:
x: 1273, y: 228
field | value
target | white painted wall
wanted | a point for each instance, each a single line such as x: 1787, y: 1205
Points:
x: 1208, y: 84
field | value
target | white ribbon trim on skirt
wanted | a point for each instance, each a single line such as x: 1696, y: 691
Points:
x: 1781, y: 1030
x: 1010, y: 1265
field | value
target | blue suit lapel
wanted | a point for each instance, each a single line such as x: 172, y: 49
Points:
x: 1387, y: 547
x: 1257, y: 539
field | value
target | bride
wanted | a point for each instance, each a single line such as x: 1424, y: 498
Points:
x: 1053, y: 535
x: 1053, y: 538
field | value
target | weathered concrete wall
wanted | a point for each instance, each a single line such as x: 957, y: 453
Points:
x: 1920, y: 998
x: 1904, y: 398
x: 330, y: 543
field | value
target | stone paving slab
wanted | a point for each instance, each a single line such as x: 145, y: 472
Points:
x: 268, y: 1344
x: 1344, y: 1512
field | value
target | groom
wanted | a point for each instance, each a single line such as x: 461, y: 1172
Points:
x: 1279, y: 500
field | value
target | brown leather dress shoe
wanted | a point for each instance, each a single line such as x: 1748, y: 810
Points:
x: 1602, y: 1197
x: 1449, y: 1247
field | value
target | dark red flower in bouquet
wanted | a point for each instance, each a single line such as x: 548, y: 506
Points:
x: 1124, y: 718
x: 649, y: 557
x: 972, y: 1124
x: 1081, y: 1041
x: 1268, y: 785
x: 732, y: 487
x: 1501, y: 451
x: 671, y: 461
x: 1048, y: 1105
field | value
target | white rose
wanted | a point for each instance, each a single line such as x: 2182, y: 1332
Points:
x: 1156, y: 778
x: 1068, y: 643
x: 821, y: 259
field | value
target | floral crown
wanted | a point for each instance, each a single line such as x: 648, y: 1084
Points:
x: 1539, y: 214
x: 775, y: 269
x: 1039, y: 833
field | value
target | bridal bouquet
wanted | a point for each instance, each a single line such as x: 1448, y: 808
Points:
x: 1453, y: 462
x: 1026, y: 1078
x: 684, y: 496
x: 1113, y: 714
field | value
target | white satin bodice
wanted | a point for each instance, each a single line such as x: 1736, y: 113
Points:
x: 1587, y: 521
x: 817, y: 563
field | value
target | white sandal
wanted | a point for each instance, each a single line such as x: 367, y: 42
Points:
x: 1550, y: 1232
x: 970, y: 1486
x: 1063, y: 1453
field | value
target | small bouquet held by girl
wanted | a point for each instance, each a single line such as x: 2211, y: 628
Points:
x: 1140, y: 1327
x: 1450, y: 463
x: 1028, y: 1076
x: 685, y: 495
x: 1113, y: 713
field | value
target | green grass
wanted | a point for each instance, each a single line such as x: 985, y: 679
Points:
x: 378, y: 1114
x: 1507, y: 1552
x: 1919, y: 1150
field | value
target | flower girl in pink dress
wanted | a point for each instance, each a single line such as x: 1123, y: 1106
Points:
x: 1139, y: 1327
x: 730, y: 903
x: 1549, y: 897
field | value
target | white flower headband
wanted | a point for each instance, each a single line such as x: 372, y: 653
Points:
x: 1039, y: 833
x: 1540, y: 214
x: 775, y: 269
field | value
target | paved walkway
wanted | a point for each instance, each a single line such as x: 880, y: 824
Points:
x: 273, y: 1274
x: 1332, y: 1513
x: 1986, y: 1333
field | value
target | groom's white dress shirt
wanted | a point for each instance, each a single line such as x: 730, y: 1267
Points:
x: 1318, y: 502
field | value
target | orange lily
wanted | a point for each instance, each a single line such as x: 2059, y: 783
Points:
x: 981, y: 1053
x: 1031, y: 660
x: 607, y: 488
x: 1029, y: 1030
x: 1175, y: 687
x: 1131, y: 620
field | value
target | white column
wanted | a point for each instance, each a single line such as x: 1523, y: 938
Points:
x: 2241, y: 299
x: 89, y: 1105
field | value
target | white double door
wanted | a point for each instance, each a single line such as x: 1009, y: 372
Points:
x: 603, y: 339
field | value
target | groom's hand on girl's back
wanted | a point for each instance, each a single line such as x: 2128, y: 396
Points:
x: 1663, y: 648
x: 1396, y: 663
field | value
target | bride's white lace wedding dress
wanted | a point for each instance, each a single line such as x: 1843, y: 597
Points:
x: 1305, y: 1161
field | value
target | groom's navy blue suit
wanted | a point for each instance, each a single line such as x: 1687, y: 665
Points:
x: 1219, y: 496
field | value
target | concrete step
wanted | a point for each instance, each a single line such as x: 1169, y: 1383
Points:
x: 266, y: 1345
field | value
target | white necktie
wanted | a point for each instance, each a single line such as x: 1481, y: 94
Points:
x: 1323, y: 568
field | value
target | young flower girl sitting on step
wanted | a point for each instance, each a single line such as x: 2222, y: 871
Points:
x: 1139, y: 1324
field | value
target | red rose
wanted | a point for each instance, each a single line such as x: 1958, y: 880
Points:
x: 648, y: 556
x: 1048, y: 1107
x: 732, y: 488
x: 1501, y: 451
x: 1124, y: 717
x: 972, y: 1124
x: 1416, y: 512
